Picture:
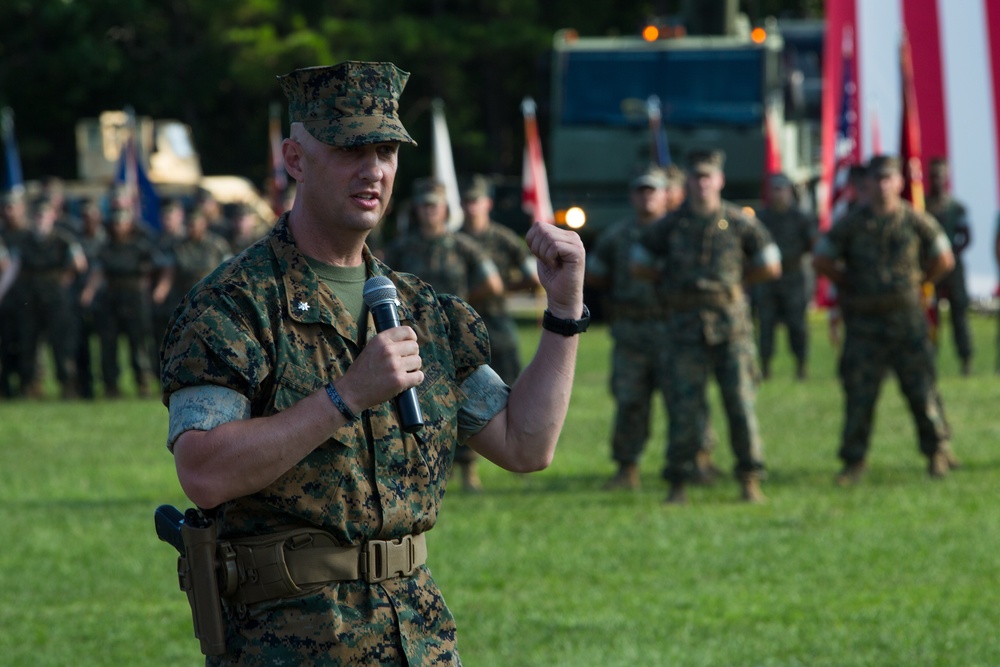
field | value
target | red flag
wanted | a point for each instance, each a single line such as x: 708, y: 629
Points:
x: 913, y: 175
x: 277, y: 184
x: 534, y: 183
x: 772, y: 154
x: 876, y: 134
x: 843, y: 149
x: 913, y: 190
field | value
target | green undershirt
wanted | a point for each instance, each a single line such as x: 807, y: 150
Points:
x: 346, y: 282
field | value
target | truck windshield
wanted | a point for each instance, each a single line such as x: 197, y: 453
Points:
x: 695, y: 87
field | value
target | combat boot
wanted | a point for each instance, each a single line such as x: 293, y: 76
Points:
x: 706, y: 472
x: 851, y: 473
x: 470, y: 477
x: 937, y: 465
x: 677, y: 495
x: 949, y: 456
x: 750, y: 488
x: 627, y: 477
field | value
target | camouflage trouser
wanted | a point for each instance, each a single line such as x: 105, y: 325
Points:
x: 782, y: 302
x: 13, y: 381
x: 48, y: 316
x: 733, y: 363
x: 868, y: 355
x: 505, y: 357
x: 343, y: 624
x: 128, y: 313
x: 952, y: 289
x: 636, y: 373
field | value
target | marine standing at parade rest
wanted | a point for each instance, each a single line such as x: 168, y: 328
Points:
x: 453, y: 264
x: 639, y: 329
x: 14, y: 232
x: 702, y: 254
x: 50, y: 261
x: 879, y: 257
x: 785, y: 300
x: 93, y: 236
x: 954, y: 220
x: 281, y: 395
x: 125, y: 267
x: 515, y: 265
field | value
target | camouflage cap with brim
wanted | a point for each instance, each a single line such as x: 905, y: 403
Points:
x: 349, y: 104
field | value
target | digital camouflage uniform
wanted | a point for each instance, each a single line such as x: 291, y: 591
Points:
x: 166, y: 246
x: 639, y: 330
x: 89, y: 317
x: 785, y: 300
x: 885, y: 324
x: 127, y: 266
x: 11, y: 307
x: 954, y: 220
x: 510, y: 254
x: 702, y: 262
x: 452, y: 263
x: 48, y: 314
x: 265, y: 326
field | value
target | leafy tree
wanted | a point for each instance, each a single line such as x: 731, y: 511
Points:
x: 212, y: 63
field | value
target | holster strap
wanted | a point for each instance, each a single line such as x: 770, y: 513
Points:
x: 287, y: 564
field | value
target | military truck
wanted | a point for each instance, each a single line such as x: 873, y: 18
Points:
x: 166, y: 152
x: 714, y: 77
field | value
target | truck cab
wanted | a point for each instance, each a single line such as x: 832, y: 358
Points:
x: 714, y: 91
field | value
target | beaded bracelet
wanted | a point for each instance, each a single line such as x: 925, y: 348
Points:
x: 339, y: 403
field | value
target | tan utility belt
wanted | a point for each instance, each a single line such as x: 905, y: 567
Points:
x: 638, y: 313
x: 695, y: 300
x: 287, y: 564
x: 874, y: 304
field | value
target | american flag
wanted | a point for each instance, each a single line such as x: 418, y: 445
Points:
x: 277, y: 182
x: 847, y: 147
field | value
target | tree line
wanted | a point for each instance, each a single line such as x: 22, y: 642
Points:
x: 212, y: 65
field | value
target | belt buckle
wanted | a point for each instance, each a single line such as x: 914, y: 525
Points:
x: 384, y: 559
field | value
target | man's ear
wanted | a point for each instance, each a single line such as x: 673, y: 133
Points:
x: 291, y: 152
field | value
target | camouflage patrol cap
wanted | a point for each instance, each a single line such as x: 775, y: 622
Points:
x: 675, y: 176
x: 651, y: 177
x: 780, y: 180
x: 478, y: 186
x: 883, y: 165
x: 706, y: 161
x: 349, y: 104
x: 429, y: 191
x: 938, y: 165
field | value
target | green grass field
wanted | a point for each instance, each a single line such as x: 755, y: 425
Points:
x: 548, y: 569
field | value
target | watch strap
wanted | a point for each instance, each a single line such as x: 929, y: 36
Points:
x: 566, y: 327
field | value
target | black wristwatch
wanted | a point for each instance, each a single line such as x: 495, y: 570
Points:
x: 566, y: 327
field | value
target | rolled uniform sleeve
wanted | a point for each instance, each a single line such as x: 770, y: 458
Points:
x: 769, y: 254
x: 210, y: 352
x: 202, y: 409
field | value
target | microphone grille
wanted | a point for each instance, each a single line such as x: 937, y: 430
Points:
x: 379, y: 289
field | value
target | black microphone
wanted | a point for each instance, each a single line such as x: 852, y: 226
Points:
x: 380, y: 297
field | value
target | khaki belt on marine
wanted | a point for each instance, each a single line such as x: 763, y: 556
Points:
x: 286, y: 564
x: 879, y: 304
x: 695, y: 300
x: 638, y: 313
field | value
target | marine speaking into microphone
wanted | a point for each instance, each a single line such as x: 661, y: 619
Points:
x: 380, y: 297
